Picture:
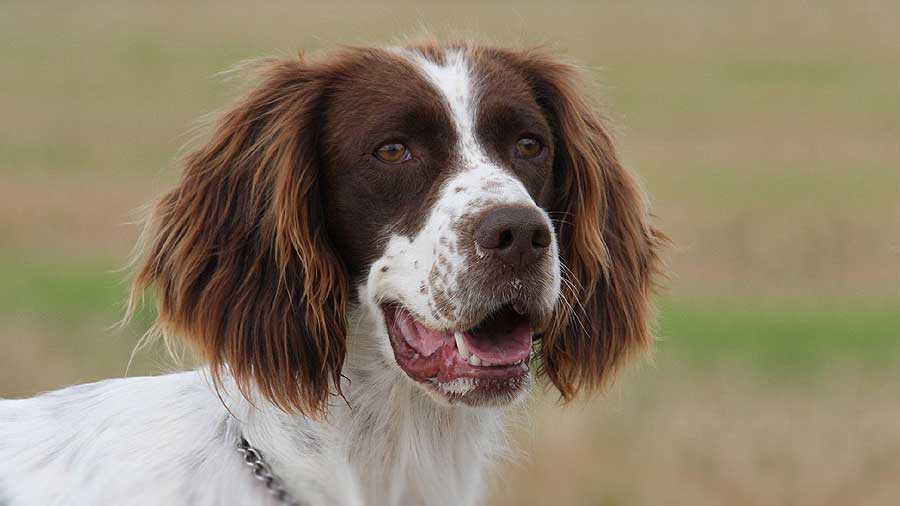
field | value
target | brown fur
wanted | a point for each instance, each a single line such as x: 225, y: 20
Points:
x: 237, y: 254
x: 608, y: 247
x: 241, y: 264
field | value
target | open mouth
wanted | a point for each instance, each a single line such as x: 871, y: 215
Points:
x: 496, y: 350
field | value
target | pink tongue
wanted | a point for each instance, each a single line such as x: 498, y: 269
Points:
x: 502, y: 348
x: 422, y: 339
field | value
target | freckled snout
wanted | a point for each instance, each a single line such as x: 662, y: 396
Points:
x: 516, y: 235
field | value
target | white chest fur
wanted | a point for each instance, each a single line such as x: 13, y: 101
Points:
x: 170, y: 440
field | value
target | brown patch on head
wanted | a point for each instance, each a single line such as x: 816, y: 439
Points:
x: 606, y: 240
x: 378, y: 97
x: 508, y: 110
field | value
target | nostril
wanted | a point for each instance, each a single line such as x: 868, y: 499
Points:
x: 506, y: 239
x: 541, y: 237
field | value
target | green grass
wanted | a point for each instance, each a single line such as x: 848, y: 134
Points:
x: 58, y: 295
x: 58, y: 299
x: 784, y: 337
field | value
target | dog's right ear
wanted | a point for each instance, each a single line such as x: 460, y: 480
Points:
x: 237, y: 256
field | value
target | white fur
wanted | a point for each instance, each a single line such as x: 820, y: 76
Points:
x: 171, y: 440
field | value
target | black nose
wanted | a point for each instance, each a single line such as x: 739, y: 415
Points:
x: 517, y: 235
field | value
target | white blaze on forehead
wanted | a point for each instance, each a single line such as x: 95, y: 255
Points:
x: 454, y: 80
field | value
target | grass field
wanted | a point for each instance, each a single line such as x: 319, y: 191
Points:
x: 767, y: 133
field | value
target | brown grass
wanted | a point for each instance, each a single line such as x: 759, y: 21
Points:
x: 675, y: 437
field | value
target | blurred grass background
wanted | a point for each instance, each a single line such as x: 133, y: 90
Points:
x: 767, y: 133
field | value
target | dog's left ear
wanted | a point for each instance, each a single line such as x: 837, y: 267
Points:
x: 607, y: 245
x: 237, y: 255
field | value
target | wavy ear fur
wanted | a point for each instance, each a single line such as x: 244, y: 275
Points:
x: 608, y: 246
x: 237, y: 256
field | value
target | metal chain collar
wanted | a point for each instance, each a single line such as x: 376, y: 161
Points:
x: 263, y: 473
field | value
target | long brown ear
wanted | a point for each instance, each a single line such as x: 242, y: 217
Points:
x: 607, y: 244
x: 237, y: 256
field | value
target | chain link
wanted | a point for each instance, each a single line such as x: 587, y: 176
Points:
x: 261, y: 471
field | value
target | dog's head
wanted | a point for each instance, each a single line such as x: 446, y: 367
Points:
x: 464, y: 199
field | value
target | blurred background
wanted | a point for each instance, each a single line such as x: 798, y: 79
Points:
x: 766, y: 132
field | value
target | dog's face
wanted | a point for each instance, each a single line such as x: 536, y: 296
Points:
x: 437, y: 190
x: 466, y: 199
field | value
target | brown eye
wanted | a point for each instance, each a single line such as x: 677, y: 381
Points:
x: 528, y: 147
x: 393, y: 153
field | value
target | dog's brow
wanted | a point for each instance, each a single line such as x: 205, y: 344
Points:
x: 455, y: 81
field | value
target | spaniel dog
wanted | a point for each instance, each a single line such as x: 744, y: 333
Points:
x: 375, y: 254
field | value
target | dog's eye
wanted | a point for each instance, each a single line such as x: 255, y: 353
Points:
x: 528, y: 147
x: 393, y: 153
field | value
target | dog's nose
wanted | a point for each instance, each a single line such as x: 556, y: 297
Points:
x: 517, y: 235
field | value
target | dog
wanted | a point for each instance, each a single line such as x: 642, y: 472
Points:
x: 376, y: 254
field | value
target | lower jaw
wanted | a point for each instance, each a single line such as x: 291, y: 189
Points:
x: 451, y: 381
x: 480, y: 392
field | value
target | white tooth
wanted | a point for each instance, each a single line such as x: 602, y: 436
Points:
x: 523, y: 366
x: 461, y: 345
x: 474, y: 360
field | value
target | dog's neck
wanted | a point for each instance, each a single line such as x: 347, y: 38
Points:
x: 403, y: 441
x: 387, y: 434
